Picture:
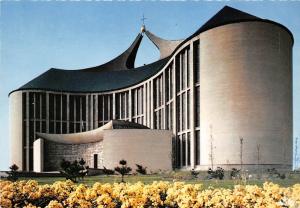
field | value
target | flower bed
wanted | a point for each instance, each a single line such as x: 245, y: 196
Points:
x: 158, y: 194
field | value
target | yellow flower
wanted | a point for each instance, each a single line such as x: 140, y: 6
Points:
x: 54, y: 204
x: 68, y: 194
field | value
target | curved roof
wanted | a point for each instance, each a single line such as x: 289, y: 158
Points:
x: 94, y: 135
x: 122, y: 62
x: 120, y: 72
x: 228, y: 15
x: 165, y: 47
x: 92, y: 81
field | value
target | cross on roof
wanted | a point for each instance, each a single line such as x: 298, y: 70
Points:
x: 143, y: 19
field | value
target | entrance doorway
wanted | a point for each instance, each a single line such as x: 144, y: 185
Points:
x: 96, y: 161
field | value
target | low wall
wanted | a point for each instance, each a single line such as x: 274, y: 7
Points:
x: 146, y: 147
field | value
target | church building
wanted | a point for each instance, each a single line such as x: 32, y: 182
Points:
x: 221, y: 97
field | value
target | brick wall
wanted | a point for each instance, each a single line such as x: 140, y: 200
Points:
x: 54, y: 153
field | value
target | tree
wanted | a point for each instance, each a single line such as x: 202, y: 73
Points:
x: 194, y: 173
x: 123, y: 169
x: 211, y: 155
x: 241, y: 151
x: 216, y: 174
x: 83, y: 172
x: 296, y: 157
x: 108, y: 171
x: 73, y: 170
x: 235, y: 173
x: 141, y: 170
x: 12, y: 174
x: 258, y: 157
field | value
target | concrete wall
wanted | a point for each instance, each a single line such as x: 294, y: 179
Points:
x: 38, y: 155
x: 246, y: 91
x: 55, y: 152
x: 16, y: 129
x: 150, y: 148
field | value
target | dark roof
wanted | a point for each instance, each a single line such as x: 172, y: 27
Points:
x: 124, y: 61
x: 229, y: 15
x: 119, y: 73
x: 92, y: 81
x: 226, y: 15
x: 120, y: 124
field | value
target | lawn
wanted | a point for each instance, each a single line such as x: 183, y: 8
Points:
x: 227, y: 183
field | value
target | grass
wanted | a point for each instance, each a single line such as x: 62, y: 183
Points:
x: 90, y: 180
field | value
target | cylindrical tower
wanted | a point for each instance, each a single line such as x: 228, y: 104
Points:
x: 246, y: 93
x: 16, y: 129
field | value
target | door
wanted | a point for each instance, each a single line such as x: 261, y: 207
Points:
x: 96, y: 161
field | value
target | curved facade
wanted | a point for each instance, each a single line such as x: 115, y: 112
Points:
x: 246, y: 93
x: 232, y: 79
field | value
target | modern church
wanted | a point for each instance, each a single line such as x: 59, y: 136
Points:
x: 222, y: 97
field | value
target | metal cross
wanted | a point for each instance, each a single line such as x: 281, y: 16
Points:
x: 143, y: 19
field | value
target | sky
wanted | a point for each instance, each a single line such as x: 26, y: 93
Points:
x: 38, y: 35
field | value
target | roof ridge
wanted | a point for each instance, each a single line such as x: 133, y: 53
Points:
x: 227, y: 15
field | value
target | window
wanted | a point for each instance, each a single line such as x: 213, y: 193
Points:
x: 123, y: 105
x: 183, y: 71
x: 178, y: 145
x: 188, y: 67
x: 167, y: 83
x: 197, y: 147
x: 117, y: 100
x: 31, y: 105
x: 177, y: 70
x: 31, y: 133
x: 188, y: 109
x: 83, y: 107
x: 72, y: 106
x: 183, y: 150
x: 183, y: 106
x: 77, y: 107
x: 196, y: 62
x: 44, y: 106
x: 197, y: 111
x: 71, y: 127
x: 37, y: 106
x: 58, y: 107
x: 51, y: 127
x: 127, y: 104
x: 64, y: 128
x: 188, y: 149
x: 178, y: 113
x: 100, y: 108
x: 58, y: 130
x: 51, y: 107
x: 43, y: 126
x: 64, y: 106
x: 106, y: 107
x: 24, y: 103
x: 37, y: 126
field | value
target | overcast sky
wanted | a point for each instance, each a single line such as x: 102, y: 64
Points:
x: 36, y: 36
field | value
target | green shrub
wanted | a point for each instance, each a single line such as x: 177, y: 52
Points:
x: 123, y: 169
x: 108, y: 171
x: 73, y: 170
x: 141, y: 170
x: 216, y: 174
x: 194, y: 173
x: 235, y: 173
x: 13, y: 174
x: 273, y: 173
